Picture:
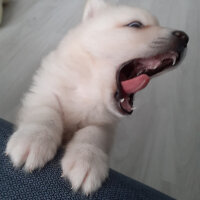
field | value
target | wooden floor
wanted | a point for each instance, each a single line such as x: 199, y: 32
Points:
x: 160, y: 144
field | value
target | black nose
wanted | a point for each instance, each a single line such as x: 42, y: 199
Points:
x: 182, y: 36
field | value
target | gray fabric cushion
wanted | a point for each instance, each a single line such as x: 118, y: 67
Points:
x: 47, y: 183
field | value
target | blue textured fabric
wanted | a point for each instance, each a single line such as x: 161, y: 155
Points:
x: 47, y: 183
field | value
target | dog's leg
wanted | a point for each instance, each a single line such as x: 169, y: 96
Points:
x: 39, y: 132
x: 85, y: 162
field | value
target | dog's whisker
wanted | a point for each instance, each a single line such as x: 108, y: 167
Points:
x: 158, y: 42
x: 155, y: 46
x: 162, y: 38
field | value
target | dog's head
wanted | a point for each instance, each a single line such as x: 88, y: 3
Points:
x: 132, y: 46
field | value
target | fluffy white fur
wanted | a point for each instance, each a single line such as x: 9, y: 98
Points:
x: 72, y: 95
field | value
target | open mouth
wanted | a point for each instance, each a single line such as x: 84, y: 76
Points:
x: 135, y: 74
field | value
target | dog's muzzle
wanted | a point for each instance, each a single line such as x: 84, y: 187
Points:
x: 133, y: 75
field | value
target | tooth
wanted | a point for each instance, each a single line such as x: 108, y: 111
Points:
x: 122, y: 100
x: 133, y: 108
x: 156, y: 65
x: 174, y: 60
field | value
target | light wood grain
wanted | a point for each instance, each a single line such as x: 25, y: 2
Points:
x: 160, y: 144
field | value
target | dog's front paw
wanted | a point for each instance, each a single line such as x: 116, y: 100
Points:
x: 31, y: 147
x: 86, y: 167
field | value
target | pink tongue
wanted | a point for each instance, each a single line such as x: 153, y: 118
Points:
x: 135, y: 84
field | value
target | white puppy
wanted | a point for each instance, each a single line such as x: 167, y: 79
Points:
x: 85, y: 85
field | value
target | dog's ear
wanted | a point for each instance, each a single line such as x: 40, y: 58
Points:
x: 92, y: 8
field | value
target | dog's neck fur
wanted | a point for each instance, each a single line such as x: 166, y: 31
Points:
x: 86, y: 87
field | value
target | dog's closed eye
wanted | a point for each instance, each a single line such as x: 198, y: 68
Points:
x: 135, y: 24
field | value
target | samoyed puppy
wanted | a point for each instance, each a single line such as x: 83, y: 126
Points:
x: 86, y: 85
